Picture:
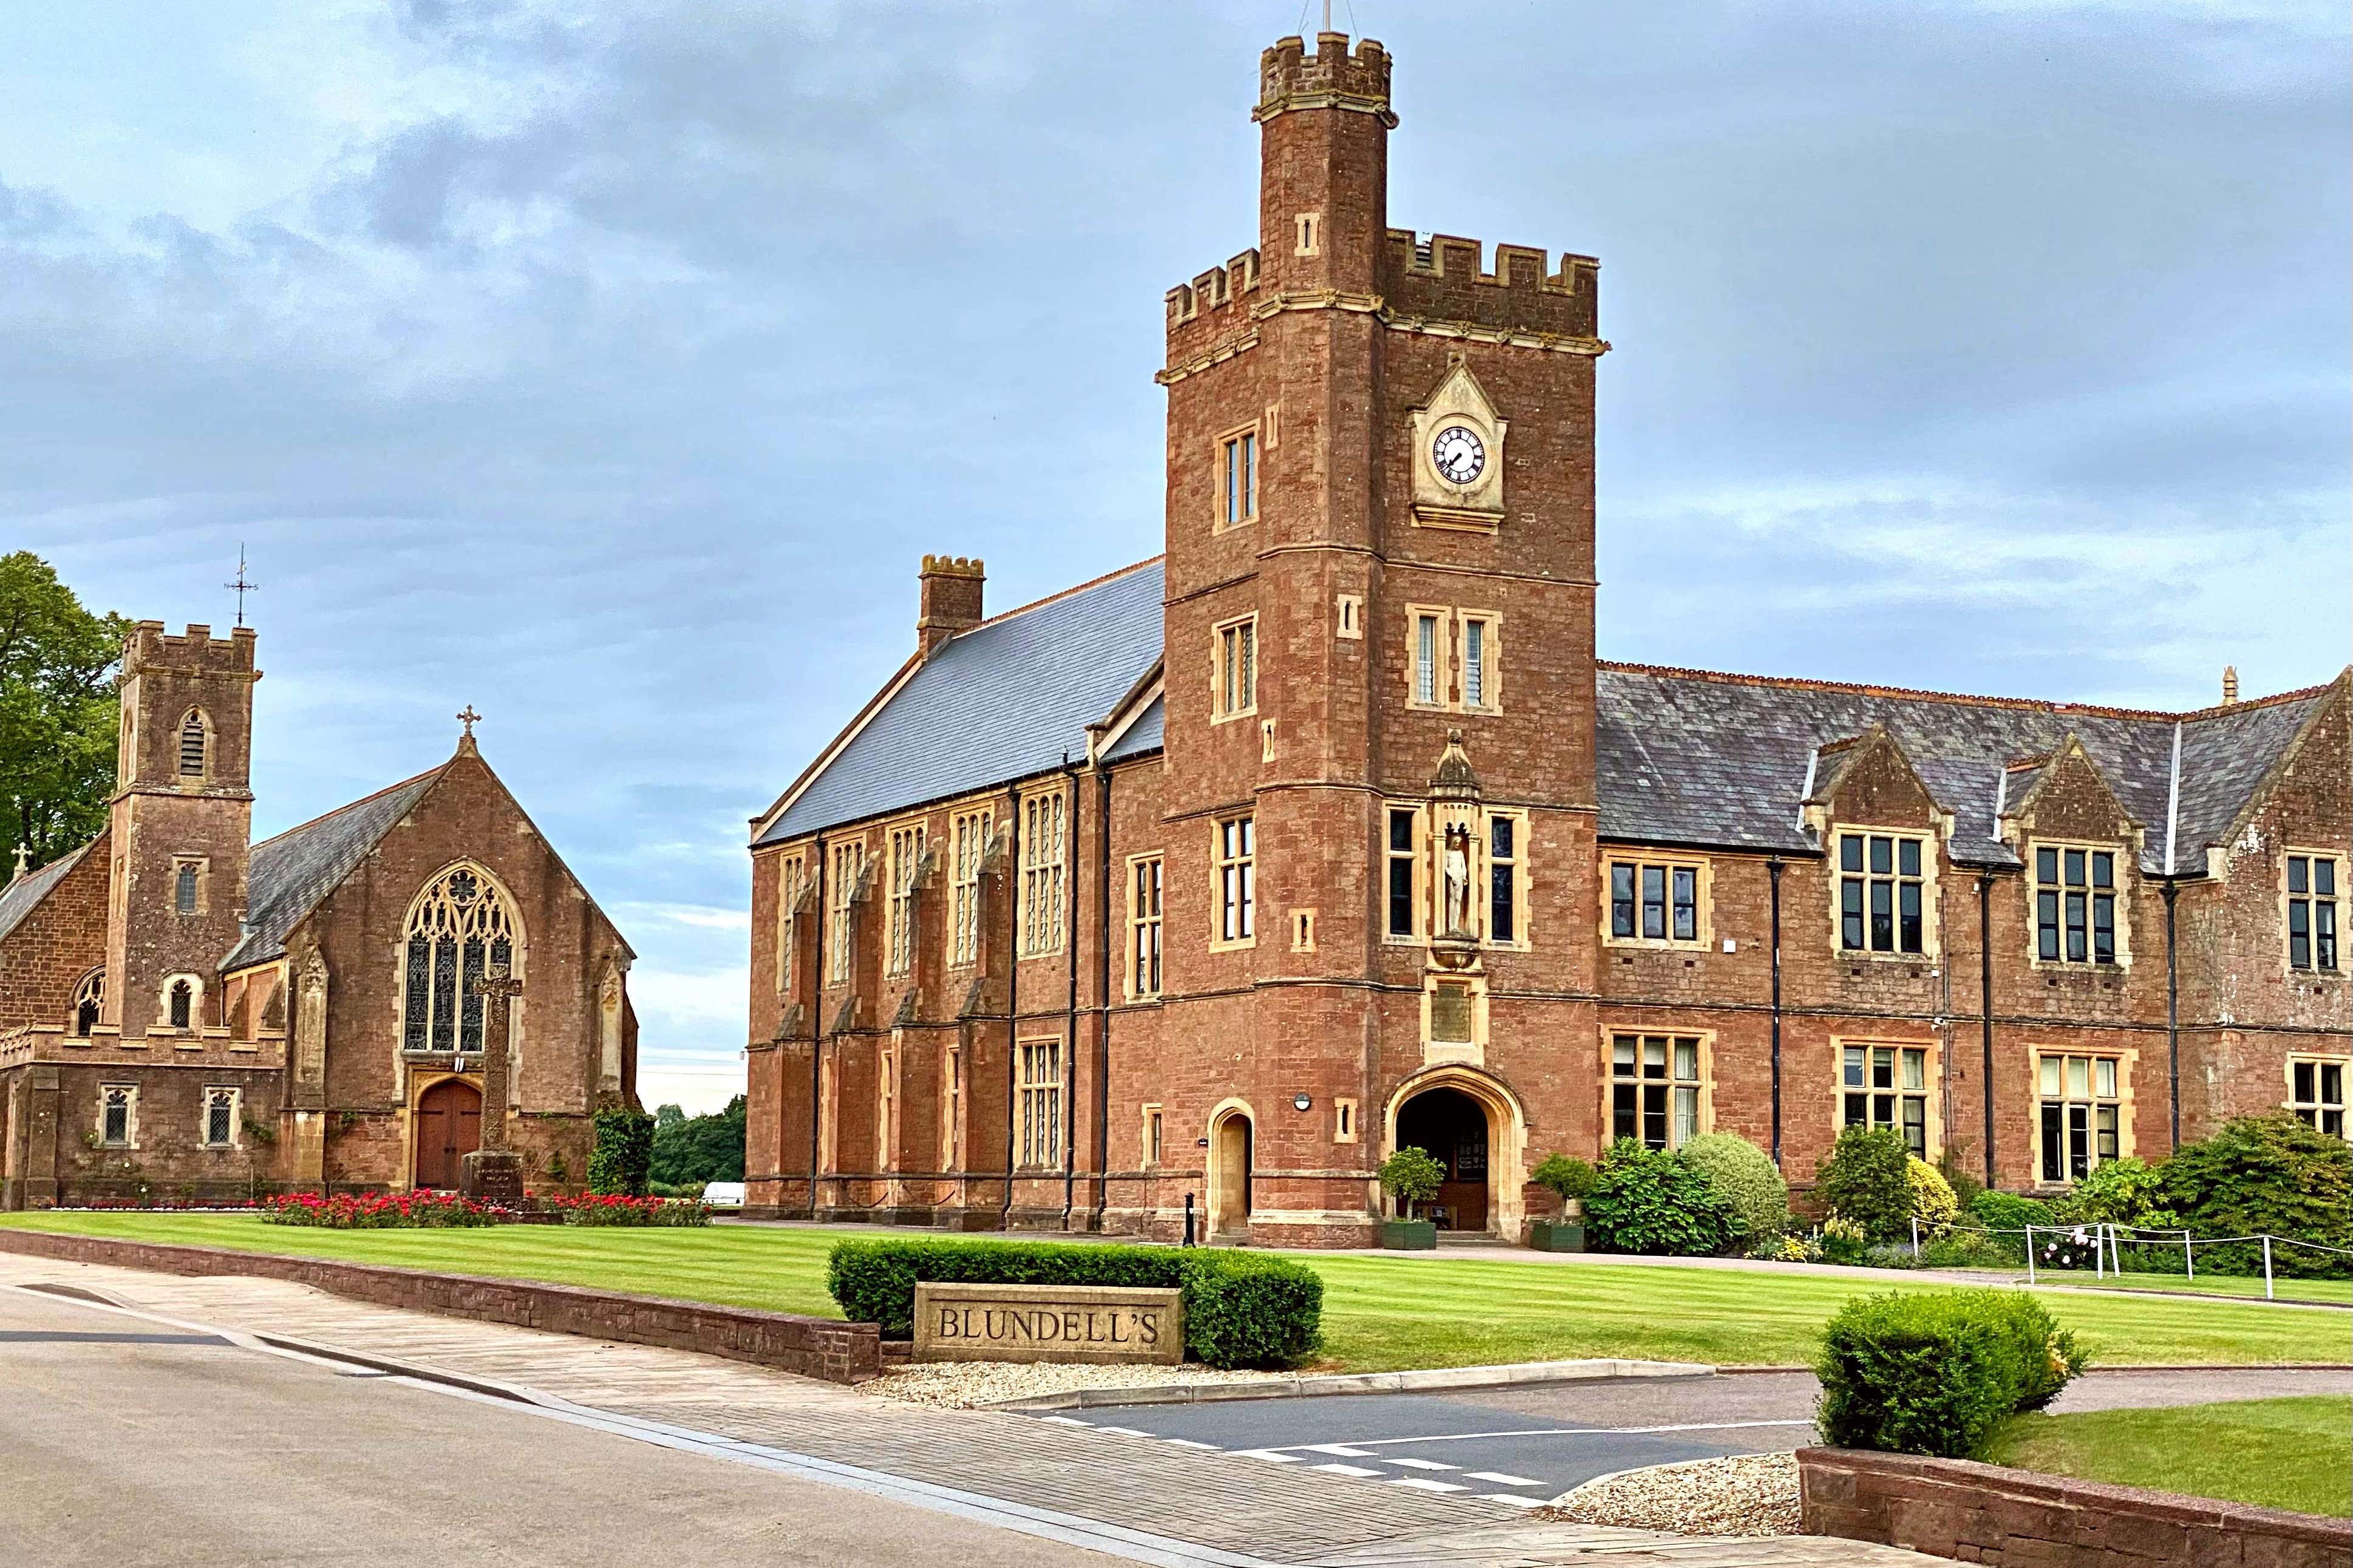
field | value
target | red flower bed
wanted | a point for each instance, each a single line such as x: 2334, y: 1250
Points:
x: 380, y: 1211
x: 617, y: 1208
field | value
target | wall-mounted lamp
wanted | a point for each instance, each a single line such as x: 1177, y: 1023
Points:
x: 1301, y: 1102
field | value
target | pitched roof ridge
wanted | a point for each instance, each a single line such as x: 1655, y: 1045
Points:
x: 1003, y: 615
x: 2301, y: 694
x: 2033, y: 704
x: 349, y: 804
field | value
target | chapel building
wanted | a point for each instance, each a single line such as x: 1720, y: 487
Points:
x: 1203, y: 886
x: 187, y: 1017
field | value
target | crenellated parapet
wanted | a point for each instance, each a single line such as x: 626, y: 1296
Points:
x: 1445, y: 279
x: 1212, y: 306
x: 1332, y: 78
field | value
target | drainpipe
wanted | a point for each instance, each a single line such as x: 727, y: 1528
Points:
x: 1103, y: 997
x: 1773, y: 876
x: 1012, y: 990
x: 1985, y: 1008
x: 1071, y: 1000
x: 2172, y: 1012
x: 817, y: 1024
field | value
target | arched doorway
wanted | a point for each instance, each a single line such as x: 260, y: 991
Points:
x: 448, y: 1124
x: 1452, y: 1127
x: 1229, y: 1174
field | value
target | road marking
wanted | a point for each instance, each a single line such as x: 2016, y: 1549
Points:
x: 1125, y: 1431
x: 1419, y: 1484
x: 1501, y: 1480
x: 1269, y: 1456
x: 1065, y: 1421
x: 1344, y: 1469
x: 1421, y: 1464
x: 1190, y: 1443
x: 1357, y: 1447
x: 1514, y: 1502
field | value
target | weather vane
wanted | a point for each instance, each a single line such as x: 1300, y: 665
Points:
x: 242, y: 586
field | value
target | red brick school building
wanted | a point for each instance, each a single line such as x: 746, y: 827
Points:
x: 1325, y: 832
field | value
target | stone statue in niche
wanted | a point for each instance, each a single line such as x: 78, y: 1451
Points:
x: 1455, y: 863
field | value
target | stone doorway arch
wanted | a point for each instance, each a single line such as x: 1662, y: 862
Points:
x: 1484, y: 1133
x: 1232, y: 1147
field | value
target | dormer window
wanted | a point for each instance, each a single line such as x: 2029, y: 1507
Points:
x: 1880, y: 893
x: 194, y: 737
x: 2074, y: 905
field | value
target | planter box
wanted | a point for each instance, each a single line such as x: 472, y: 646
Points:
x: 1556, y: 1235
x: 1409, y: 1235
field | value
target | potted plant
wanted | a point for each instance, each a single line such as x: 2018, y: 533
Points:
x: 1411, y: 1176
x: 1568, y: 1180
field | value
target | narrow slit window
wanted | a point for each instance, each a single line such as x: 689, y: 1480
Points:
x: 1476, y: 649
x: 1425, y: 659
x: 1503, y: 860
x: 1402, y: 864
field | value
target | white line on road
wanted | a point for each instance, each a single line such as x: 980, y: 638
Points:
x: 1419, y: 1484
x: 1338, y: 1469
x: 1514, y: 1502
x: 1421, y: 1464
x: 1190, y: 1443
x: 1501, y: 1480
x: 1269, y: 1456
x: 1125, y: 1431
x: 1358, y: 1446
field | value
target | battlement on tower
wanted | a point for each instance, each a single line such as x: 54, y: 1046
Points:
x: 1332, y: 78
x: 1445, y: 278
x: 195, y: 651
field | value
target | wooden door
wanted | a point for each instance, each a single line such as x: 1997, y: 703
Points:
x: 449, y: 1128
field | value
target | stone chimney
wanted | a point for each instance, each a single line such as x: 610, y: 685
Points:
x: 2229, y: 684
x: 950, y: 600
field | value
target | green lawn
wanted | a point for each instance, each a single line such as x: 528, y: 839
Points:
x: 1380, y: 1312
x: 2337, y: 1290
x: 2279, y: 1453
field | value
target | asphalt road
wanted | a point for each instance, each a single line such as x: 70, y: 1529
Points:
x: 125, y: 1444
x: 1532, y: 1444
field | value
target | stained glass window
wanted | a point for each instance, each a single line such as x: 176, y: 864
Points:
x: 458, y: 931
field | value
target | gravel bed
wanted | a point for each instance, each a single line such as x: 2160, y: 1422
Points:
x: 1745, y: 1494
x: 963, y: 1384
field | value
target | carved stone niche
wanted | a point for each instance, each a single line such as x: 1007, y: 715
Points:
x: 1458, y: 456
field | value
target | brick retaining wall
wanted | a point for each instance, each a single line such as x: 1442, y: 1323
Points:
x: 1985, y: 1513
x: 813, y: 1347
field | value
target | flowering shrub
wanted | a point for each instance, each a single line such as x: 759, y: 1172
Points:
x: 380, y: 1211
x: 1934, y: 1203
x: 1844, y: 1241
x: 618, y: 1209
x: 1787, y: 1248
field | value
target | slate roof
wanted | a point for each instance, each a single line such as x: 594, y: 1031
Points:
x: 1005, y: 700
x: 1688, y: 757
x: 23, y: 896
x: 290, y: 873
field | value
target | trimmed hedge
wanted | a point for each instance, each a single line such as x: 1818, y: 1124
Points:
x: 1241, y: 1308
x: 1744, y: 1176
x: 1935, y: 1372
x: 1648, y: 1201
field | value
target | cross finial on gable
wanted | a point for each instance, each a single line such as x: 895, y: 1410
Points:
x: 23, y: 861
x: 468, y: 718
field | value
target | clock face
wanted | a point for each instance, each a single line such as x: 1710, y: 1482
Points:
x: 1459, y: 455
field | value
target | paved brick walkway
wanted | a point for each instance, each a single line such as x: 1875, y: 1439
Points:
x: 1231, y: 1505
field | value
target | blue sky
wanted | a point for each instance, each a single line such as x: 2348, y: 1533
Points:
x: 609, y: 367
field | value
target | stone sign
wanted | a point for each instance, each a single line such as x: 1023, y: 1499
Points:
x: 490, y: 1177
x: 1047, y: 1322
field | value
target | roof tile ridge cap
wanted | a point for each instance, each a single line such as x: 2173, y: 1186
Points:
x: 1002, y: 615
x: 2301, y: 694
x: 347, y: 805
x: 1811, y: 683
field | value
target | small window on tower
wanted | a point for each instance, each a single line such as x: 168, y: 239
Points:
x: 187, y: 887
x: 1238, y: 478
x: 1311, y: 226
x: 181, y: 1003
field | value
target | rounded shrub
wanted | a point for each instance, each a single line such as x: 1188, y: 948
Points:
x: 2007, y: 1216
x: 1648, y: 1201
x: 2127, y: 1192
x: 2266, y: 1175
x: 1743, y: 1176
x: 1933, y: 1202
x: 1935, y: 1372
x: 1866, y: 1177
x: 1564, y: 1176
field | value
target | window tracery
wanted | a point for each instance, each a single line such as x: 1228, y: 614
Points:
x: 90, y: 1001
x: 458, y: 928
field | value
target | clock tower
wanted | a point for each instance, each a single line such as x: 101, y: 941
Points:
x: 1379, y: 676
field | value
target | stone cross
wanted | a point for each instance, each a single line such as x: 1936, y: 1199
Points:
x: 497, y: 988
x: 469, y: 719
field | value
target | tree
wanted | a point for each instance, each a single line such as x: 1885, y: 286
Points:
x: 1411, y: 1176
x: 58, y: 710
x: 691, y: 1149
